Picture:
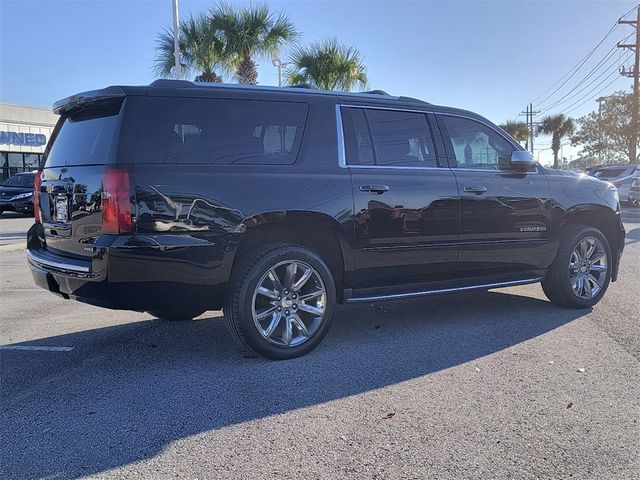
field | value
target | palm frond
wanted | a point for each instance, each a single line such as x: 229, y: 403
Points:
x: 328, y: 65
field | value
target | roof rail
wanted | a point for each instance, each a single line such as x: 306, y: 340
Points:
x: 171, y: 83
x: 377, y: 92
x: 412, y: 99
x: 303, y: 85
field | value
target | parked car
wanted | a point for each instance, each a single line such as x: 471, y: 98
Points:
x: 634, y: 191
x: 275, y: 204
x: 620, y: 175
x: 16, y: 193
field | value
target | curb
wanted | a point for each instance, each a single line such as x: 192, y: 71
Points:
x: 13, y: 247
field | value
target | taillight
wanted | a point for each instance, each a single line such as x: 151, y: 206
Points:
x: 116, y: 201
x: 37, y: 182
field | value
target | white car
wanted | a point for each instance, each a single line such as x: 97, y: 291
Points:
x: 620, y: 175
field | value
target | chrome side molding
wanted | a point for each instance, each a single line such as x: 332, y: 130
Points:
x: 486, y: 286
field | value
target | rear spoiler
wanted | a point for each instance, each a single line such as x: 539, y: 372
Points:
x: 75, y: 101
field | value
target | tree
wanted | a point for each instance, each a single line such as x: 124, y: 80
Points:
x: 201, y: 50
x: 251, y: 32
x: 609, y: 134
x: 327, y: 65
x: 518, y: 130
x: 558, y: 126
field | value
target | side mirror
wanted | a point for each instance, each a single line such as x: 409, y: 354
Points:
x: 522, y: 159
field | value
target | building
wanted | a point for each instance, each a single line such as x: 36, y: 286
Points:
x: 24, y: 133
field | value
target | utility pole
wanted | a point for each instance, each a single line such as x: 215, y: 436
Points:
x: 603, y: 151
x: 176, y: 41
x: 529, y: 113
x: 635, y: 113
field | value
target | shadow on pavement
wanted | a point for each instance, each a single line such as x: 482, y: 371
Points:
x: 126, y: 392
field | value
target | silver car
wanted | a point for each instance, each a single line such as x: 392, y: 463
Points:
x: 634, y: 191
x: 620, y: 175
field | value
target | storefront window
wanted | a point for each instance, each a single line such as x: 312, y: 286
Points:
x: 14, y: 162
x: 31, y: 161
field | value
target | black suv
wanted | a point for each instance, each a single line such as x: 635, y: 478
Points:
x: 277, y: 203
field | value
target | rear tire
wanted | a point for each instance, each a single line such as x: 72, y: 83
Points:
x: 281, y: 301
x: 581, y: 271
x: 177, y: 314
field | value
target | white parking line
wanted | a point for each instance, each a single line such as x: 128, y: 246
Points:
x: 36, y: 348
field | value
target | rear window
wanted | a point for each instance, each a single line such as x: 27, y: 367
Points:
x: 609, y: 172
x: 85, y: 136
x: 220, y: 131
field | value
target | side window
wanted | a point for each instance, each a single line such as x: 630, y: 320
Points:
x: 220, y: 131
x: 401, y: 139
x: 476, y: 145
x: 357, y: 137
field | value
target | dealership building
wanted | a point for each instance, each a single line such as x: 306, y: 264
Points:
x: 24, y: 133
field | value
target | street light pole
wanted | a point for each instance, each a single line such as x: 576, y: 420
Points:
x: 176, y: 41
x: 278, y: 63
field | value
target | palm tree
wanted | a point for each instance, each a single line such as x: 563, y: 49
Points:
x: 558, y: 126
x: 327, y: 65
x: 251, y: 32
x: 201, y: 50
x: 518, y: 130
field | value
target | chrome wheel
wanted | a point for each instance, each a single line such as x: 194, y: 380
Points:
x: 588, y: 268
x: 289, y: 303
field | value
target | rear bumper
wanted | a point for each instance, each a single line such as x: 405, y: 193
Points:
x: 137, y: 272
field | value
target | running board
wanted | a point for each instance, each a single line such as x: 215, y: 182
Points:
x: 422, y: 293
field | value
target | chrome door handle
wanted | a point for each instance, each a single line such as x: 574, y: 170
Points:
x: 477, y: 189
x: 377, y: 189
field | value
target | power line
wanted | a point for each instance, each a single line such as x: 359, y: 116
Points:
x: 592, y: 96
x: 567, y: 98
x: 576, y: 67
x: 580, y: 63
x: 597, y: 67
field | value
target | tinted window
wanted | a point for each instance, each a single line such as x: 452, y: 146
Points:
x: 401, y: 139
x: 25, y: 181
x: 86, y: 136
x: 357, y: 138
x: 610, y: 172
x: 477, y: 146
x: 194, y: 130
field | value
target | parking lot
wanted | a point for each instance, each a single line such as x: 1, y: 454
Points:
x: 498, y: 384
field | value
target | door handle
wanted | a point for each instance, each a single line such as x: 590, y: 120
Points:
x: 377, y: 189
x: 477, y: 189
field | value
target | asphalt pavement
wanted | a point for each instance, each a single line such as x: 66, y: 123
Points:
x: 13, y: 227
x: 484, y: 385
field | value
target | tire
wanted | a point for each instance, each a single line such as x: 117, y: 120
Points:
x: 557, y: 284
x: 177, y: 314
x: 274, y: 326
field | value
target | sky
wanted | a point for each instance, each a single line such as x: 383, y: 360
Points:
x: 491, y: 57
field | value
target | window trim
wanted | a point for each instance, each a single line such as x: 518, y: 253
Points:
x: 342, y: 154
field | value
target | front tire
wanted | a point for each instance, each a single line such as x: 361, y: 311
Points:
x: 581, y: 271
x: 281, y: 301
